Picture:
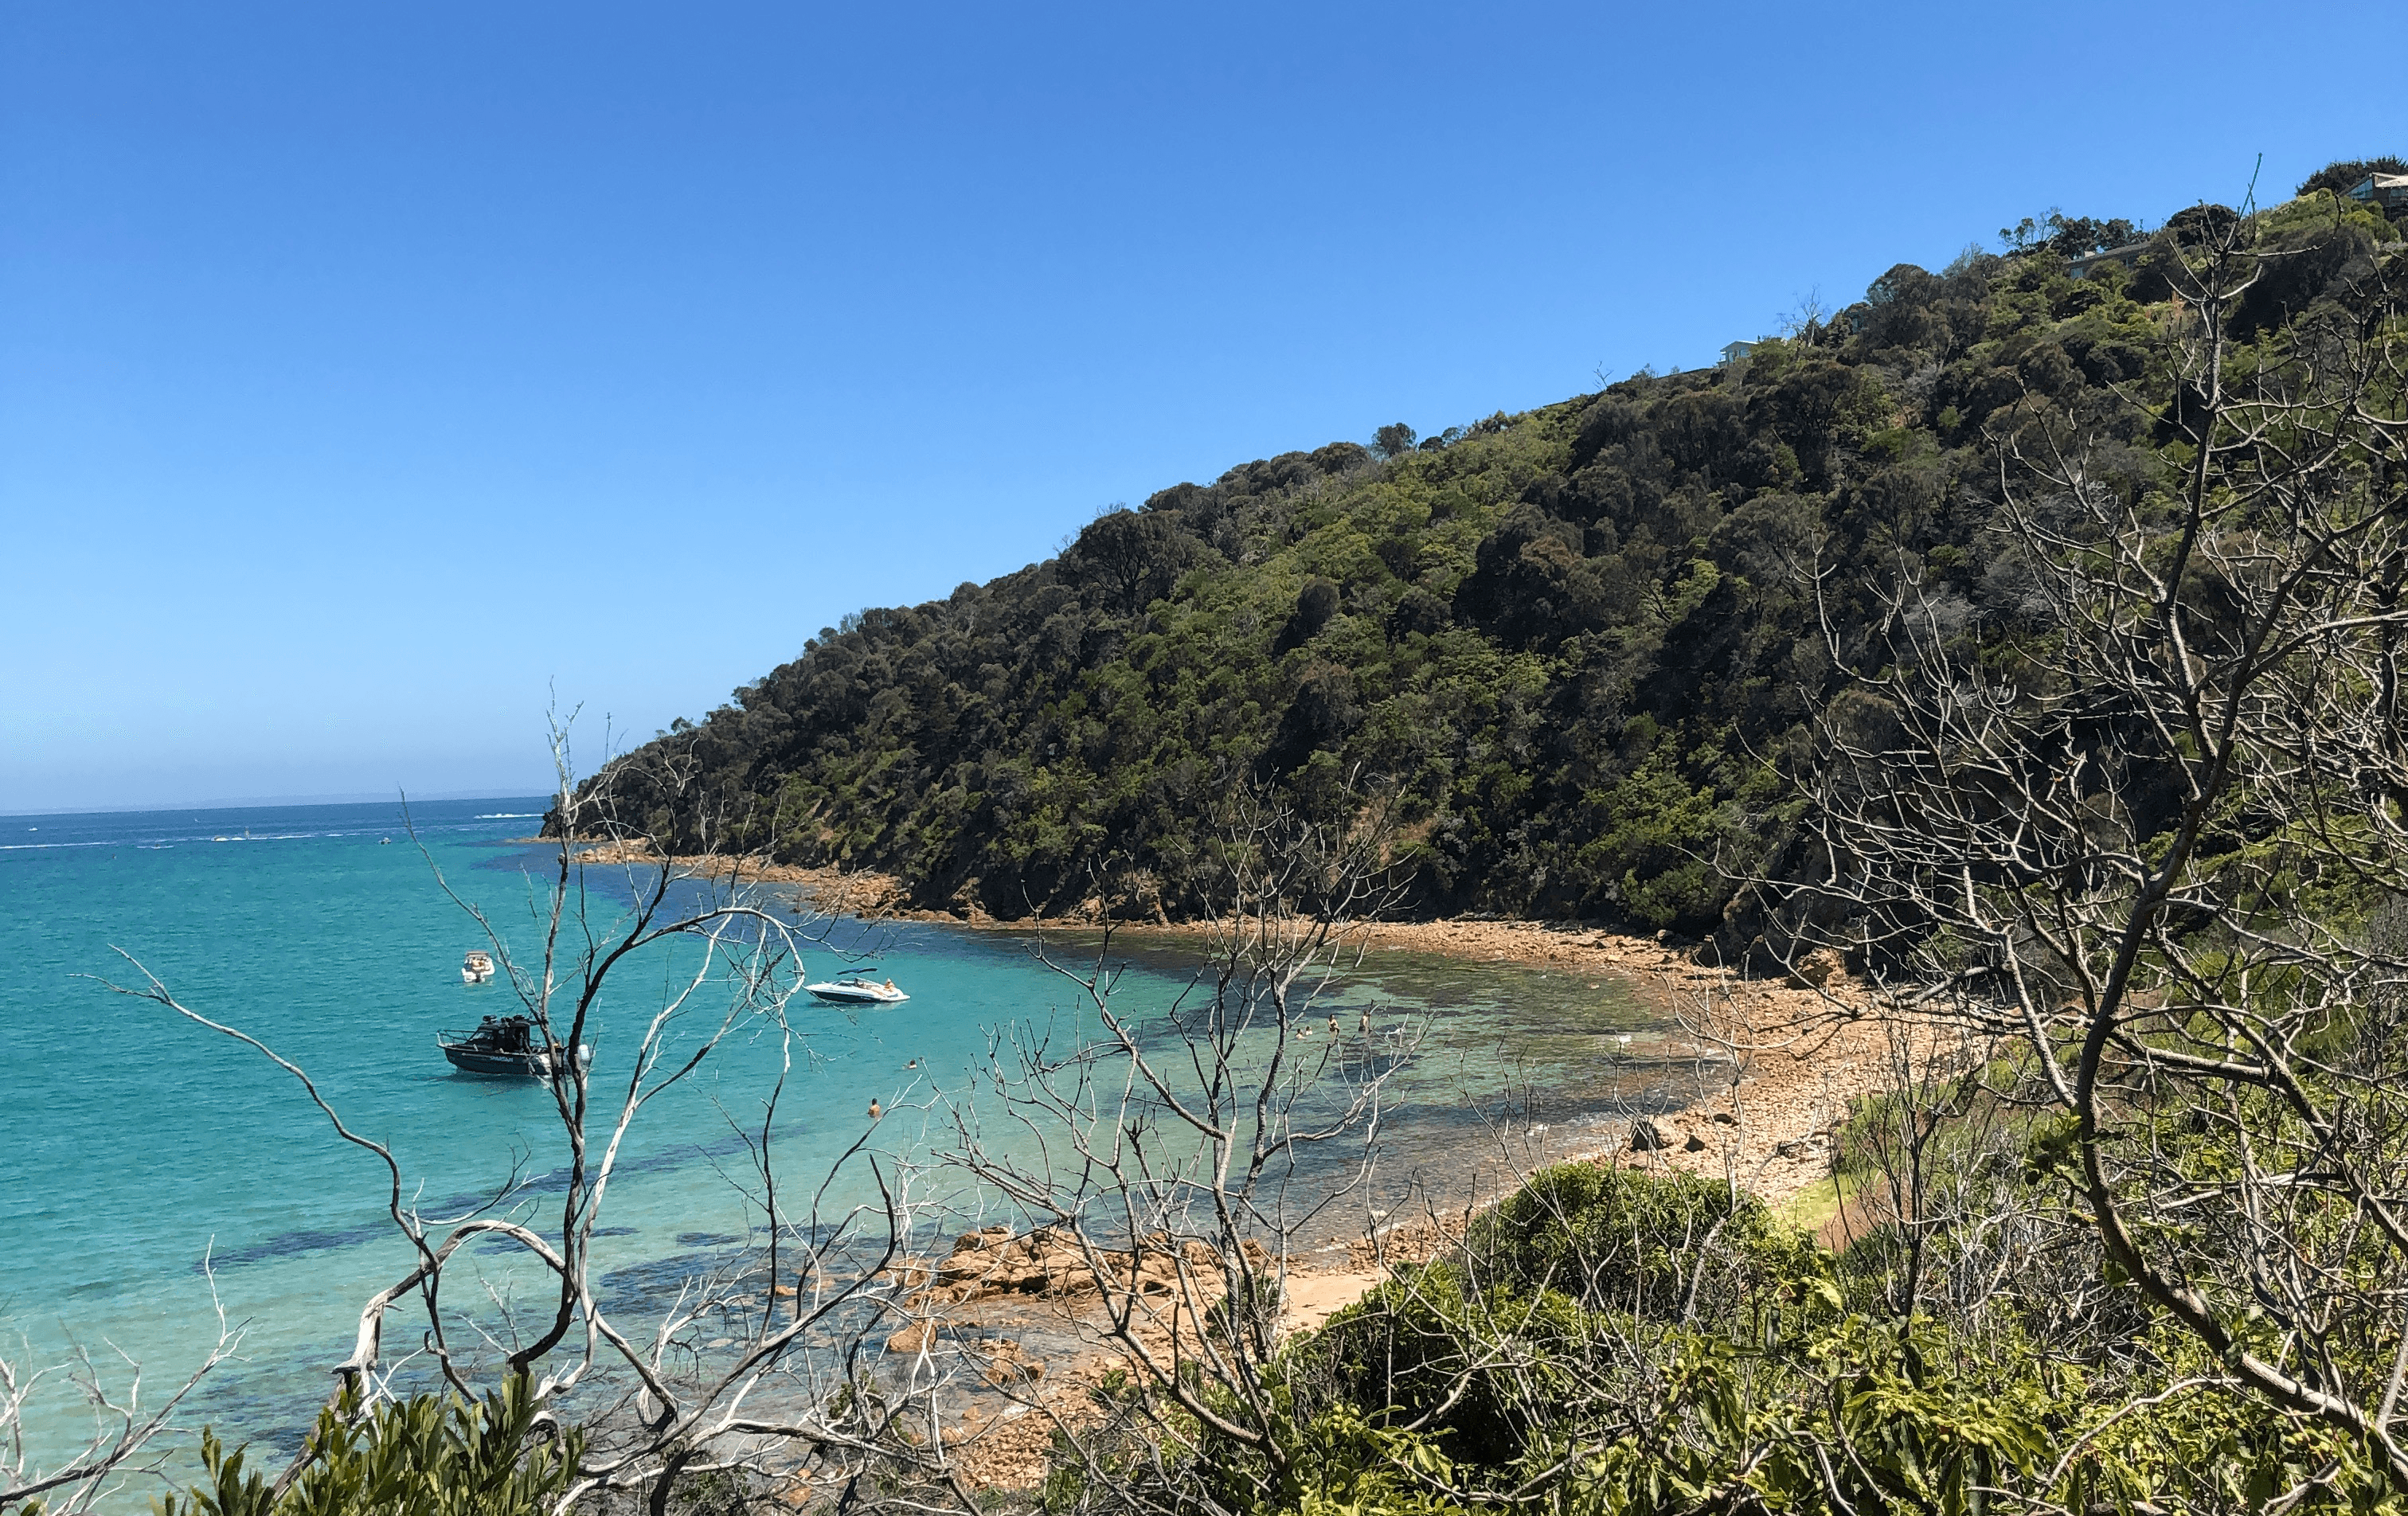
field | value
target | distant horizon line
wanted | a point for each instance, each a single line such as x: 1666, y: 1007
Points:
x: 346, y: 797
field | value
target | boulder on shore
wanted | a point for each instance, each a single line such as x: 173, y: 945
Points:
x: 991, y: 1262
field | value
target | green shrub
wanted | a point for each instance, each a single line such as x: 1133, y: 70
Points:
x: 1678, y: 1246
x: 426, y: 1456
x: 1403, y: 1352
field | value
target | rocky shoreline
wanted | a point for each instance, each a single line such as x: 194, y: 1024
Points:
x: 1802, y: 1047
x: 1800, y: 1050
x: 1778, y: 1063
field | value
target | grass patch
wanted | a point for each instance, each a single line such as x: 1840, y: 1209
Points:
x: 1816, y: 1203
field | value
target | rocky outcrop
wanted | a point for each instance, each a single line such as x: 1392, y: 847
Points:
x: 992, y: 1262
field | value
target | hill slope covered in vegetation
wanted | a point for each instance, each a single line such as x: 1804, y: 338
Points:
x: 1579, y: 644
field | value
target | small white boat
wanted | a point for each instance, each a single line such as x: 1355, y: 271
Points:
x: 857, y: 991
x: 477, y: 968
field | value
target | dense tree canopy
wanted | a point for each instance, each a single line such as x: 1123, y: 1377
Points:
x: 1579, y: 643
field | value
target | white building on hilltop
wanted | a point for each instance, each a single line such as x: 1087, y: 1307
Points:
x: 2388, y: 190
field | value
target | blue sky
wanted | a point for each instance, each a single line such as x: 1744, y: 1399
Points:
x: 368, y: 374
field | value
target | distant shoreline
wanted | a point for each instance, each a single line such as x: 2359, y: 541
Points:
x: 1802, y: 1051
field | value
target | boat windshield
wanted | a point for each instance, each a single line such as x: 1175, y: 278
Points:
x: 506, y: 1034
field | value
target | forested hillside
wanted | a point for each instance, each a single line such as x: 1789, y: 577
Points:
x: 1579, y: 644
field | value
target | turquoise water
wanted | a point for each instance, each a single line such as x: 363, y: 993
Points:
x: 134, y: 1144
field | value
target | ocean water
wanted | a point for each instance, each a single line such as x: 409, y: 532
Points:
x: 154, y: 1173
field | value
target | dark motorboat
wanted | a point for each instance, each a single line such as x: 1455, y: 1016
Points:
x: 510, y: 1046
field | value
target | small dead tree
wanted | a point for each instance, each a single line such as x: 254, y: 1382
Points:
x: 799, y: 1393
x: 1160, y: 1154
x: 129, y: 1442
x: 2140, y: 827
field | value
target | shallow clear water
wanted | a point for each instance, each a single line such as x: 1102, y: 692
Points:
x: 133, y: 1143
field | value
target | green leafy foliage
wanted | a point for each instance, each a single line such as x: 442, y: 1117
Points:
x: 1401, y: 1353
x: 1476, y: 1384
x: 1677, y: 1246
x: 426, y: 1456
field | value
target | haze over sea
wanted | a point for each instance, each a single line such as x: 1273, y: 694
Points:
x: 135, y: 1143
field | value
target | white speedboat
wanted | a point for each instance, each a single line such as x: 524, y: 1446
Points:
x: 477, y: 968
x: 857, y: 991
